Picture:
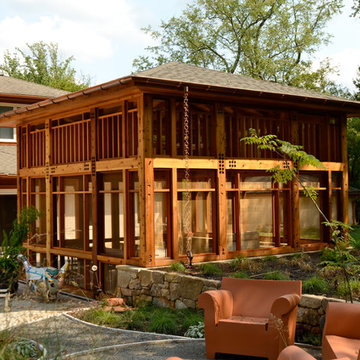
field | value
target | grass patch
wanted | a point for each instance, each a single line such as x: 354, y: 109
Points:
x: 315, y: 285
x: 148, y: 318
x: 210, y: 269
x: 342, y: 289
x: 276, y: 275
x: 240, y: 275
x: 178, y: 267
x: 270, y: 259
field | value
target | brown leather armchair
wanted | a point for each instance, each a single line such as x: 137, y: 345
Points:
x: 245, y: 317
x: 341, y: 335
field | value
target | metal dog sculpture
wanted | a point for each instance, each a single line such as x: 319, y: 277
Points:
x: 44, y: 281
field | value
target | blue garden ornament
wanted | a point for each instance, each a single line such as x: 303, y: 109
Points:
x: 44, y: 281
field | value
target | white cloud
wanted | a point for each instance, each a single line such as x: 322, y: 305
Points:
x: 87, y: 29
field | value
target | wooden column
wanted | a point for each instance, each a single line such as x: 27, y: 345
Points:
x: 174, y: 215
x: 221, y: 183
x: 94, y: 198
x: 148, y: 151
x: 173, y: 126
x: 48, y: 186
x: 345, y: 177
x: 295, y: 214
x: 142, y: 190
x: 149, y: 213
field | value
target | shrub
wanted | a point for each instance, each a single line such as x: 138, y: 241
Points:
x: 210, y: 269
x: 328, y: 254
x: 235, y: 262
x: 343, y: 291
x: 196, y: 331
x: 270, y: 258
x: 240, y: 275
x: 315, y: 285
x: 276, y: 275
x: 251, y: 266
x: 163, y: 321
x: 178, y: 267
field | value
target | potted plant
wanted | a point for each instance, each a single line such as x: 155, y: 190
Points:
x: 12, y: 246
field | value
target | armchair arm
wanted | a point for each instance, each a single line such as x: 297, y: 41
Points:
x: 217, y: 304
x: 284, y: 304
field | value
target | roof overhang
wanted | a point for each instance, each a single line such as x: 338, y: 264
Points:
x: 347, y: 107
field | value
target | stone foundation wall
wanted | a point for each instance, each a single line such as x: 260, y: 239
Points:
x: 137, y: 285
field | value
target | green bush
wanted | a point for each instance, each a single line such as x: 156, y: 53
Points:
x: 178, y: 267
x: 343, y: 291
x: 196, y: 331
x: 315, y: 285
x: 210, y: 269
x: 276, y: 275
x: 235, y: 262
x: 328, y: 254
x: 240, y: 275
x: 270, y: 258
x: 163, y: 321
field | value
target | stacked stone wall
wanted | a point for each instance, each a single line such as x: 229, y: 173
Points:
x: 139, y: 285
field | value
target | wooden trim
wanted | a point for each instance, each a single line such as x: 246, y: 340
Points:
x: 147, y: 131
x: 295, y: 214
x: 173, y: 126
x: 345, y: 177
x: 169, y: 163
x: 48, y: 186
x: 174, y: 215
x: 221, y: 214
x: 149, y: 214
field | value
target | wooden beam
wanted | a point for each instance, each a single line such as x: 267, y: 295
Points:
x: 345, y: 177
x: 148, y: 148
x: 49, y: 198
x: 174, y: 215
x: 173, y: 126
x: 220, y: 130
x: 149, y: 213
x: 221, y: 213
x: 295, y: 214
x: 169, y: 163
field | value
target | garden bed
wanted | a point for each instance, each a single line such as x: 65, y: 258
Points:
x: 318, y: 277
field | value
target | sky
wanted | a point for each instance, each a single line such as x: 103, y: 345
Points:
x: 105, y: 36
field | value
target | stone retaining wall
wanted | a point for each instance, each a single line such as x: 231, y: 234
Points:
x: 139, y: 285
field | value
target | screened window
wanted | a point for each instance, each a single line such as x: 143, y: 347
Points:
x: 111, y: 197
x: 197, y: 214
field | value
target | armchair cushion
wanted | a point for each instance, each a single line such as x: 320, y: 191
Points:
x: 284, y: 304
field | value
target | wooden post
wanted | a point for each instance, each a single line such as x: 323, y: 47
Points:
x: 345, y: 177
x: 221, y: 182
x: 149, y: 213
x: 295, y: 214
x: 148, y: 150
x: 173, y: 126
x: 94, y: 198
x: 48, y: 186
x: 174, y: 220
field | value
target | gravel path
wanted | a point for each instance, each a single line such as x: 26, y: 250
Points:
x: 67, y: 338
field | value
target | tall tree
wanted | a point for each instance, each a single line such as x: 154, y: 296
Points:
x: 266, y: 39
x: 41, y: 63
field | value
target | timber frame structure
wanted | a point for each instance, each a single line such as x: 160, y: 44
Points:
x: 105, y: 166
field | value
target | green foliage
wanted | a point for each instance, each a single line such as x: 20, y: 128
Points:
x: 355, y: 237
x: 196, y: 331
x: 343, y: 289
x: 236, y: 261
x: 276, y: 275
x: 41, y: 63
x: 210, y: 269
x: 163, y: 321
x: 315, y: 285
x: 178, y: 267
x: 268, y: 40
x: 12, y: 246
x: 270, y: 259
x: 293, y: 155
x: 240, y: 275
x: 328, y: 254
x: 147, y: 317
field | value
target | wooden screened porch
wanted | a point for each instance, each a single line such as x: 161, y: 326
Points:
x: 105, y: 167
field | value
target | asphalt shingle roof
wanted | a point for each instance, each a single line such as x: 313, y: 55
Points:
x: 7, y: 160
x: 187, y: 73
x: 9, y: 85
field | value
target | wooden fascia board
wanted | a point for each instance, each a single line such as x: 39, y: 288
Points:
x: 21, y: 99
x: 69, y: 104
x: 249, y: 97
